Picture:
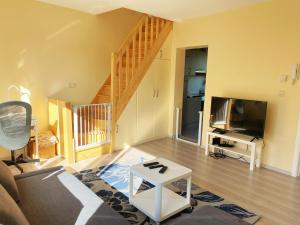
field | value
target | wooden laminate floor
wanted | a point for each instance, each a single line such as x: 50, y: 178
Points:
x: 274, y: 196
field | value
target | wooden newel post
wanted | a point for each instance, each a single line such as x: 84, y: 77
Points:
x: 113, y: 94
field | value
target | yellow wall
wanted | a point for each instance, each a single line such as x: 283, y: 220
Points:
x: 249, y: 48
x: 44, y: 47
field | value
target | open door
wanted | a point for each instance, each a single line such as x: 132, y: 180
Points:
x: 193, y: 95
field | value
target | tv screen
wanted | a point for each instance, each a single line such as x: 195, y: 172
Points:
x: 239, y: 115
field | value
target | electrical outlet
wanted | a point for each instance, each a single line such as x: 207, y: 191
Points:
x: 72, y: 85
x: 283, y: 78
x: 281, y: 93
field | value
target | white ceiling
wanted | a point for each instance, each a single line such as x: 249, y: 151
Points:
x: 169, y: 9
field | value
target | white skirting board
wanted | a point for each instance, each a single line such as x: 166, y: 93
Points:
x: 141, y: 142
x: 277, y: 170
x: 188, y: 142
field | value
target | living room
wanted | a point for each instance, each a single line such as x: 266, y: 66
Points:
x: 103, y: 85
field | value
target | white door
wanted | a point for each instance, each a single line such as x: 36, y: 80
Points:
x: 161, y: 103
x: 145, y: 107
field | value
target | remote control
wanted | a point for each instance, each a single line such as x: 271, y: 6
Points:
x: 163, y: 170
x: 150, y: 164
x: 155, y: 166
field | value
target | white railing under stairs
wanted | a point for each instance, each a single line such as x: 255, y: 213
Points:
x: 92, y: 125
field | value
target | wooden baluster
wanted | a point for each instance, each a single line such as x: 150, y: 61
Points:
x: 114, y: 99
x: 81, y: 126
x: 98, y: 127
x: 94, y: 119
x: 133, y: 56
x: 157, y: 28
x: 152, y: 31
x: 105, y: 120
x: 95, y: 123
x: 146, y: 37
x: 140, y: 45
x: 120, y: 74
x: 101, y: 122
x: 92, y: 124
x: 127, y: 67
x: 84, y: 125
x: 160, y: 24
x: 88, y: 125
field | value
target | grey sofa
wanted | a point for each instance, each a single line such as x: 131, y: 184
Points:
x: 45, y: 200
x: 55, y: 197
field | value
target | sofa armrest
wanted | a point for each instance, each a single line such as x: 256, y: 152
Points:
x: 37, y: 172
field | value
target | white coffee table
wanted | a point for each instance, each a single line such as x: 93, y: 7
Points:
x: 160, y: 203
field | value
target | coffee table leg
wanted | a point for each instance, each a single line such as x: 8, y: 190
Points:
x: 130, y: 185
x: 188, y: 189
x: 158, y: 196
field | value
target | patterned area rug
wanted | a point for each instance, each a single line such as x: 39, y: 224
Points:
x: 110, y: 183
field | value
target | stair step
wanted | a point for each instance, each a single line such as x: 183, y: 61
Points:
x: 105, y: 90
x: 102, y: 98
x: 107, y: 82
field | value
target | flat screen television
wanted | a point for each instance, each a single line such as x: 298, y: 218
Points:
x: 238, y: 115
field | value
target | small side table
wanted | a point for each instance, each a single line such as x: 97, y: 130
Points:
x: 160, y: 203
x: 255, y: 146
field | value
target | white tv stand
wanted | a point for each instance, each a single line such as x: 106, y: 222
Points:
x: 253, y: 153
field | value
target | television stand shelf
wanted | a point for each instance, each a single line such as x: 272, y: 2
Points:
x: 255, y: 146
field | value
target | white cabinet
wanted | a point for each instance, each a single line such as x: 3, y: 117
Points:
x: 162, y: 100
x: 146, y: 117
x: 165, y: 51
x: 145, y: 104
x: 153, y: 102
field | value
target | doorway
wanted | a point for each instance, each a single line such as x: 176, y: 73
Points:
x: 193, y: 94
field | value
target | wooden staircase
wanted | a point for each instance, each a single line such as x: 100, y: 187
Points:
x: 130, y: 63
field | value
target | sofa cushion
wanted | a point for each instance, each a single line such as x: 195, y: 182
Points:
x: 8, y: 182
x: 59, y: 198
x: 10, y: 213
